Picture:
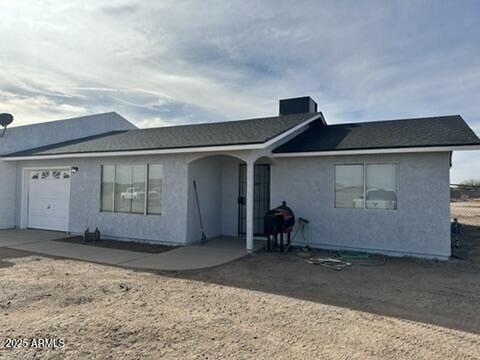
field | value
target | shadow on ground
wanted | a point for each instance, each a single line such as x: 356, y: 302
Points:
x: 445, y: 294
x: 11, y: 254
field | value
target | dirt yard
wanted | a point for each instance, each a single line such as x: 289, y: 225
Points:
x: 266, y: 306
x: 467, y: 212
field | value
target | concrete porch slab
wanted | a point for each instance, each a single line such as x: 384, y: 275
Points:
x: 104, y: 256
x: 16, y: 237
x: 80, y: 252
x: 229, y: 242
x: 43, y: 247
x: 215, y: 252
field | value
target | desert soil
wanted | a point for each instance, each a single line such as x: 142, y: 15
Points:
x: 467, y: 212
x: 265, y: 306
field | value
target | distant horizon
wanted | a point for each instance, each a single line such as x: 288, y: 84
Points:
x: 169, y: 62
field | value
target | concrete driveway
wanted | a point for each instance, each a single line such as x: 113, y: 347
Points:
x: 215, y: 252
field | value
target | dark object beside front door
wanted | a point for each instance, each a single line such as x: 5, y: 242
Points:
x: 261, y: 197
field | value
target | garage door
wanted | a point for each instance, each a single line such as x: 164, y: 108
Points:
x: 49, y: 199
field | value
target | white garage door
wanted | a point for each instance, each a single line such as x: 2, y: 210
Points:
x: 49, y: 199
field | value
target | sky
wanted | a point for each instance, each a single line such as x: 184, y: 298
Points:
x: 169, y: 62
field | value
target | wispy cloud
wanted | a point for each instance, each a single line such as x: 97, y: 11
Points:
x: 184, y: 61
x: 120, y: 9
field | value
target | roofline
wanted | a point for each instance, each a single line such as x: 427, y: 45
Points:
x: 67, y: 119
x: 396, y: 119
x: 256, y: 146
x: 136, y: 152
x: 398, y: 150
x: 290, y: 131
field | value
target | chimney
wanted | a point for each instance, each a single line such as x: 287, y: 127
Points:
x: 298, y: 105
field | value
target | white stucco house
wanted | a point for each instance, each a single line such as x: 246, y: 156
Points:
x: 378, y: 186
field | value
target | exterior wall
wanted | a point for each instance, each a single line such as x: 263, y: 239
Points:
x: 420, y: 226
x: 207, y: 174
x: 217, y: 180
x: 32, y: 136
x: 170, y: 227
x: 217, y: 183
x: 7, y: 194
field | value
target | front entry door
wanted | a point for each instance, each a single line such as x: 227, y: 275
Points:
x: 261, y: 198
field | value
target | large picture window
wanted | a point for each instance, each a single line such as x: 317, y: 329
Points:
x: 366, y: 186
x: 132, y: 189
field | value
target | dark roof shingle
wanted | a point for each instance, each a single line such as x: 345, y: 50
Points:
x: 420, y: 132
x: 240, y: 132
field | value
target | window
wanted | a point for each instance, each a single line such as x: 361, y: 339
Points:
x: 124, y: 188
x: 108, y: 181
x: 375, y: 183
x: 349, y: 186
x: 381, y: 186
x: 155, y: 182
x: 138, y: 189
x: 130, y: 188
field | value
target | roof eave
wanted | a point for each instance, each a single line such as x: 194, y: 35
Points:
x: 398, y: 150
x: 135, y: 152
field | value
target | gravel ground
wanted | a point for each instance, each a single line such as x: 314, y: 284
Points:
x: 264, y: 306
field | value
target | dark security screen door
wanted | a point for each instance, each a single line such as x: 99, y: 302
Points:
x: 261, y: 198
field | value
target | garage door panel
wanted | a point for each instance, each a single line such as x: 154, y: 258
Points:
x: 57, y: 193
x: 48, y: 209
x: 55, y: 189
x: 48, y: 223
x: 39, y: 201
x: 48, y: 200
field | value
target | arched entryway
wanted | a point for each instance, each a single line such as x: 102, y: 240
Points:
x: 223, y: 184
x: 216, y: 177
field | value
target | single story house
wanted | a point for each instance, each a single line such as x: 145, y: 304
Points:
x: 379, y: 186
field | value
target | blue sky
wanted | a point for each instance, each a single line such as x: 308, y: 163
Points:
x: 165, y: 62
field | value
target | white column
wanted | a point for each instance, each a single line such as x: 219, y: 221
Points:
x: 250, y: 194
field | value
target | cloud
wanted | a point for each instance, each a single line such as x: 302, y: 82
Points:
x: 187, y: 61
x: 43, y: 108
x: 116, y: 10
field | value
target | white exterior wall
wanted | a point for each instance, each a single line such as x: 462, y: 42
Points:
x: 217, y: 183
x: 32, y: 136
x: 170, y: 227
x: 420, y: 226
x: 208, y: 176
x: 7, y: 194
